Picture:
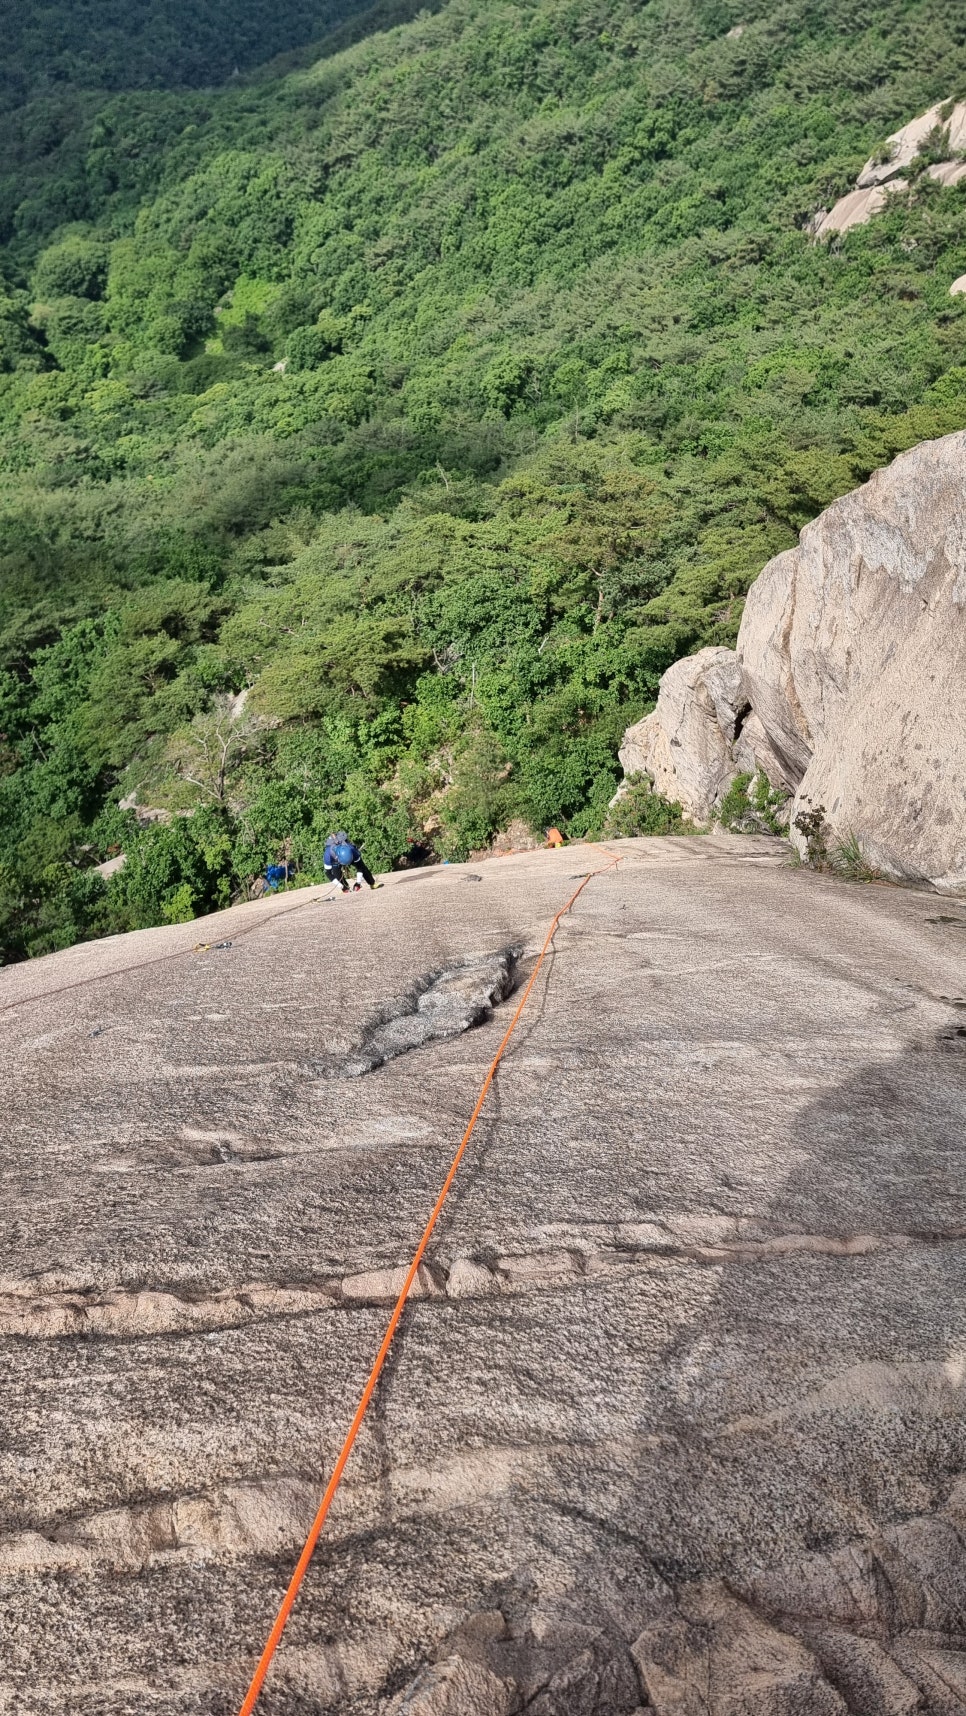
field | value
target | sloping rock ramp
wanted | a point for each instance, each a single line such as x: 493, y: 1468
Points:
x: 675, y: 1420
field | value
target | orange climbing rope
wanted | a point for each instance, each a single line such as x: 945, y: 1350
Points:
x: 288, y: 1601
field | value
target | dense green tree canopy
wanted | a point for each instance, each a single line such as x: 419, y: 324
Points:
x: 435, y: 395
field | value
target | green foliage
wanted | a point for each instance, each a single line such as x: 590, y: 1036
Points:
x: 733, y: 811
x: 842, y: 856
x: 752, y: 806
x: 439, y: 392
x: 175, y: 872
x: 770, y: 804
x: 641, y: 810
x: 75, y: 268
x: 482, y: 796
x: 60, y: 144
x: 43, y: 910
x: 849, y: 861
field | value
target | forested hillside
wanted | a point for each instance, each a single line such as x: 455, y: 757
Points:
x: 59, y: 56
x: 145, y: 44
x: 437, y: 396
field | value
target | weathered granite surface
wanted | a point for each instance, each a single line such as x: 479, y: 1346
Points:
x: 675, y: 1422
x: 852, y: 651
x: 946, y: 118
x: 848, y: 686
x: 881, y: 177
x: 686, y: 745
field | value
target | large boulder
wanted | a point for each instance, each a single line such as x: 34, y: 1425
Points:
x: 686, y: 744
x: 848, y: 685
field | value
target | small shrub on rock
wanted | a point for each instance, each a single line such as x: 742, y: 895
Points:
x: 815, y: 832
x: 641, y: 810
x: 843, y: 857
x: 847, y: 859
x: 752, y: 806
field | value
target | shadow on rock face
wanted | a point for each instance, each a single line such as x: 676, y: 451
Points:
x: 826, y: 1529
x: 788, y: 1538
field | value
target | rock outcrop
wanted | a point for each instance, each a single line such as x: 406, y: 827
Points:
x: 882, y: 177
x: 676, y: 1420
x: 686, y: 746
x: 856, y: 208
x: 848, y: 685
x: 946, y: 119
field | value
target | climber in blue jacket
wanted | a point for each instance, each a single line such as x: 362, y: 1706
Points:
x: 341, y: 854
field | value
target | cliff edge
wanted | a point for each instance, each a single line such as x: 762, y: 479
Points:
x: 848, y: 684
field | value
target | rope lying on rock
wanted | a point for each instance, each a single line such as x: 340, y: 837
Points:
x: 288, y: 1601
x: 157, y: 958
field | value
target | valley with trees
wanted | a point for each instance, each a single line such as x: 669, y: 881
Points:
x: 378, y: 426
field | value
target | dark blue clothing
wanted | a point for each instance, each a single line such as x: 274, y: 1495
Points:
x: 335, y: 867
x: 329, y: 859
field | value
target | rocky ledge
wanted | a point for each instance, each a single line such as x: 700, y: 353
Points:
x: 848, y: 685
x: 934, y: 143
x: 674, y: 1422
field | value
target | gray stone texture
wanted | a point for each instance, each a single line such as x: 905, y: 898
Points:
x: 674, y: 1422
x: 849, y: 679
x: 686, y: 745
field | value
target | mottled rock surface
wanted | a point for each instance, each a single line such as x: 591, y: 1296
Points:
x: 686, y: 744
x: 674, y: 1422
x: 848, y: 687
x: 852, y: 650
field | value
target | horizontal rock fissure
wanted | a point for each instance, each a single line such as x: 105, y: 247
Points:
x: 249, y: 1516
x: 147, y: 1312
x: 265, y: 1518
x: 143, y: 1312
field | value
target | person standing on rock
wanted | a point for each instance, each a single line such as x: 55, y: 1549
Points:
x: 341, y: 854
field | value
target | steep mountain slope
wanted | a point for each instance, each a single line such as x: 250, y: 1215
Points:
x: 60, y: 56
x: 147, y: 44
x: 442, y: 394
